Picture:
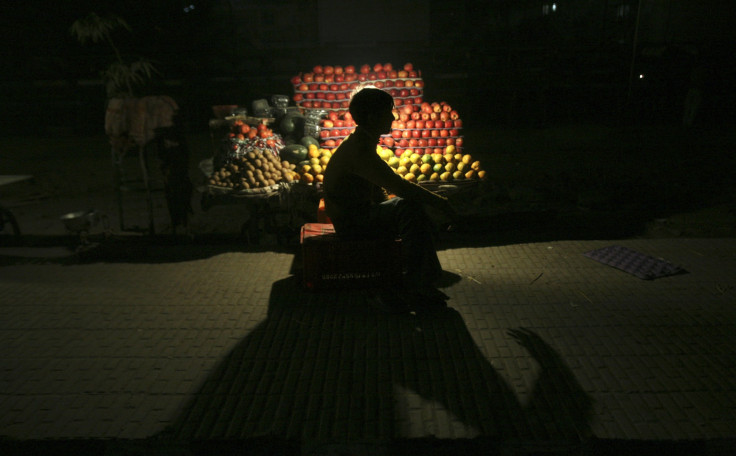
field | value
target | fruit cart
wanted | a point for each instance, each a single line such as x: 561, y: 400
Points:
x: 284, y: 158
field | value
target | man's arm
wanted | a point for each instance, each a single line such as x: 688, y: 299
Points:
x: 380, y: 173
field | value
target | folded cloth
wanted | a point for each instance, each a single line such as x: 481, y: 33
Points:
x: 635, y: 263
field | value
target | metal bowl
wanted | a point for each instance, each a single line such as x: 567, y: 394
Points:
x: 77, y: 221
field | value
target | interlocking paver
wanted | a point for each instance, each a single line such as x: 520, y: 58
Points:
x: 226, y: 346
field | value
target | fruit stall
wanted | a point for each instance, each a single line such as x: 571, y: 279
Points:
x: 280, y: 148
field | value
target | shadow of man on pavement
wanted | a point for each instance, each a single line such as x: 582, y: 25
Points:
x: 327, y: 367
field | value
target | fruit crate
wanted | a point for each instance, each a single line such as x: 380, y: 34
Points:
x: 333, y: 263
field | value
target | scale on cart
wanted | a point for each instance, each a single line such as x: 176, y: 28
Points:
x: 81, y: 223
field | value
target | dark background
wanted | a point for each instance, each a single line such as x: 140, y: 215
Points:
x: 507, y: 62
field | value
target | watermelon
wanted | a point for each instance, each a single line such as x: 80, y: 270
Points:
x: 293, y: 153
x: 307, y: 140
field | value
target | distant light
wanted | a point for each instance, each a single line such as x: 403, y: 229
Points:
x: 641, y: 76
x: 189, y: 9
x: 548, y: 9
x: 554, y: 7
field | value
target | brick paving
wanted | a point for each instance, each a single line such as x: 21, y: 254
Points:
x: 220, y: 343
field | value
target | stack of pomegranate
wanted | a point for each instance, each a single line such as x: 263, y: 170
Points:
x: 420, y: 126
x: 330, y: 87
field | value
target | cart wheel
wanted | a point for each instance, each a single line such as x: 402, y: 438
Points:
x: 7, y: 217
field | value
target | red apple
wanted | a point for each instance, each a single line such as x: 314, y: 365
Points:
x: 365, y: 69
x: 378, y: 84
x: 307, y: 104
x: 441, y: 142
x: 413, y: 74
x: 317, y: 69
x: 413, y: 142
x: 396, y: 134
x: 454, y: 132
x: 362, y: 77
x: 393, y: 74
x: 339, y: 77
x: 296, y: 80
x: 350, y: 69
x: 447, y: 108
x: 408, y: 66
x: 458, y: 123
x: 419, y: 83
x: 338, y: 69
x: 387, y: 67
x: 308, y: 77
x: 444, y: 116
x: 454, y: 115
x: 405, y: 134
x: 426, y: 133
x: 444, y: 133
x: 450, y: 141
x: 414, y: 92
x: 309, y: 96
x: 416, y: 115
x: 448, y: 124
x: 423, y: 142
x: 403, y: 74
x: 410, y: 123
x: 330, y: 96
x: 388, y: 141
x: 407, y: 109
x: 419, y: 122
x: 319, y: 77
x: 436, y: 107
x: 324, y: 134
x: 404, y: 143
x: 330, y: 143
x: 339, y: 123
x: 435, y: 133
x: 327, y: 123
x: 329, y: 69
x: 381, y: 74
x: 431, y: 142
x: 297, y: 97
x: 333, y: 116
x: 416, y: 133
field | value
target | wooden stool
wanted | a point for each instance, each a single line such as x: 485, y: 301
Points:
x: 330, y: 262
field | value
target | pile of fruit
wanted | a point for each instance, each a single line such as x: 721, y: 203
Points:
x: 329, y: 87
x: 312, y: 168
x: 241, y: 130
x: 426, y: 129
x: 447, y: 166
x: 259, y: 168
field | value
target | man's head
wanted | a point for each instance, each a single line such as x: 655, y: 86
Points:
x: 371, y: 108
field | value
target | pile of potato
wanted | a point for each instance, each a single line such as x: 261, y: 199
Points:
x: 256, y: 169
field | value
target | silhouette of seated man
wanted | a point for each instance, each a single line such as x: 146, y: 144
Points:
x: 355, y: 186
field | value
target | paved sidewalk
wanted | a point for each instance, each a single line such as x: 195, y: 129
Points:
x: 214, y: 343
